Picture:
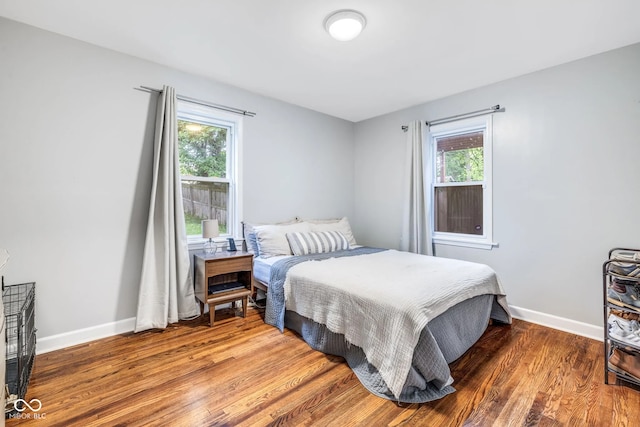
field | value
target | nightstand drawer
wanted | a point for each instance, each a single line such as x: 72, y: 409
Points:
x: 228, y: 265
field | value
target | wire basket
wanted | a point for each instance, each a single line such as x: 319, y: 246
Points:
x: 19, y: 311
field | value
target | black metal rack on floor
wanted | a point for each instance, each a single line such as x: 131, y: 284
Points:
x: 19, y: 311
x: 622, y: 315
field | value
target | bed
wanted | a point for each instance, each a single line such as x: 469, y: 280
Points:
x: 397, y: 318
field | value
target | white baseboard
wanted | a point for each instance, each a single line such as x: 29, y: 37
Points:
x: 81, y: 336
x: 560, y: 323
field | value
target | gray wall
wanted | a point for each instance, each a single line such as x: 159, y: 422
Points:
x: 566, y: 155
x: 75, y: 154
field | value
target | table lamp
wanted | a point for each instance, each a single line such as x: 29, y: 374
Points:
x: 210, y: 231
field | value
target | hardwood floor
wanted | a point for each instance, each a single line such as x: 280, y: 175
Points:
x: 243, y: 372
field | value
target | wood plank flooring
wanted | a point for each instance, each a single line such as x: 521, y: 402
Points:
x: 245, y: 373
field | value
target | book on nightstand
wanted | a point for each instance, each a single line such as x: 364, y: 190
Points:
x: 223, y: 287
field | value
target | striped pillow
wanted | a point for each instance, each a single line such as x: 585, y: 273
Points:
x: 317, y: 242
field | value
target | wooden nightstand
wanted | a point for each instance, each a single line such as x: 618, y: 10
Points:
x: 223, y: 277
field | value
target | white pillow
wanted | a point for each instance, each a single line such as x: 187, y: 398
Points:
x: 317, y: 242
x: 341, y: 225
x: 272, y: 239
x: 250, y: 236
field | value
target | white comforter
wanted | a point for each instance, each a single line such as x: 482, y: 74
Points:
x: 382, y: 301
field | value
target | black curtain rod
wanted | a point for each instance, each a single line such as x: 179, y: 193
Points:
x: 200, y: 102
x: 495, y: 109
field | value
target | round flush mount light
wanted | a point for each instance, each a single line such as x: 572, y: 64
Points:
x: 345, y: 24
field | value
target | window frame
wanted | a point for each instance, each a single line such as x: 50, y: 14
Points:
x: 211, y: 116
x: 474, y: 124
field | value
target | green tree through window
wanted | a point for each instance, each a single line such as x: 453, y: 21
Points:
x: 460, y: 158
x: 464, y: 165
x: 202, y: 149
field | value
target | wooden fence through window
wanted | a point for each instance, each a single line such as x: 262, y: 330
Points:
x: 206, y: 200
x: 459, y: 209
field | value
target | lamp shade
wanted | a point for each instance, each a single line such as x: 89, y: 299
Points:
x: 210, y: 228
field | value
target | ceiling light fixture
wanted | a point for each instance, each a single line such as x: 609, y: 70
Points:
x: 345, y: 24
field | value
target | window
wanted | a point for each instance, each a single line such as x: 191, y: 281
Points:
x: 209, y: 151
x: 461, y: 162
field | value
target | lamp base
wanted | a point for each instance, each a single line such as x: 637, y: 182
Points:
x: 210, y: 247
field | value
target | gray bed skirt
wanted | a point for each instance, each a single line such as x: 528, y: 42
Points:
x: 442, y: 341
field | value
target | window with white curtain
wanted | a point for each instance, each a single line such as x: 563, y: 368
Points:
x: 209, y: 144
x: 462, y: 187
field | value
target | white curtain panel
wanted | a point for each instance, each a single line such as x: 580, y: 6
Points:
x: 416, y: 235
x: 166, y: 286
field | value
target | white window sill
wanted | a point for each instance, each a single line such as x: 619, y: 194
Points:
x: 467, y: 243
x: 197, y: 243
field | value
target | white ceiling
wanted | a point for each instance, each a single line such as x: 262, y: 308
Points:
x: 411, y: 52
